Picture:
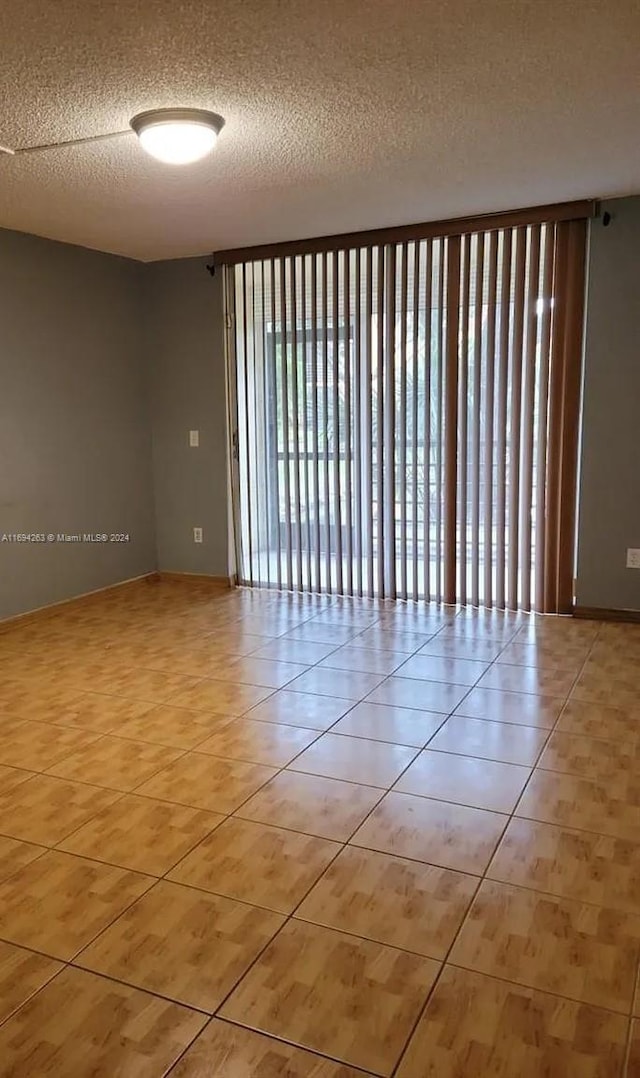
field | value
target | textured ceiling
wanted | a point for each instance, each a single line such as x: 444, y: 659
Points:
x: 341, y: 114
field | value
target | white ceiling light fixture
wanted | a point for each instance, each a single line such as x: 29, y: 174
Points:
x: 178, y: 136
x: 174, y: 136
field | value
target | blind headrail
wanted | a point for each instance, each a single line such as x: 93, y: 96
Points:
x: 457, y: 226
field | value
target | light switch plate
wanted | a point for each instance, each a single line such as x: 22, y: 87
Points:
x: 633, y: 558
x: 194, y: 438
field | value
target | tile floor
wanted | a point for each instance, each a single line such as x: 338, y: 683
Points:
x: 250, y: 835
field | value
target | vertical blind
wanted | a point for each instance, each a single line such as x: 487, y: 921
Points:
x: 405, y: 416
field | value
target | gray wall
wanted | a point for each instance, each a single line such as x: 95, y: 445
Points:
x: 74, y: 427
x: 609, y: 508
x: 185, y: 351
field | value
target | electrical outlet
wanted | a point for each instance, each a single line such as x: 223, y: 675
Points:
x: 197, y: 535
x: 633, y: 558
x: 194, y: 438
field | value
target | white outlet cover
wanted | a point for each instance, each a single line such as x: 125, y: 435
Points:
x: 197, y: 535
x: 194, y: 438
x: 633, y: 558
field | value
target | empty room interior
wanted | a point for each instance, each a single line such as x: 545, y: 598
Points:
x: 319, y: 539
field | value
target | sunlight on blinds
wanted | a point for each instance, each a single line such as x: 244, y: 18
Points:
x: 395, y: 428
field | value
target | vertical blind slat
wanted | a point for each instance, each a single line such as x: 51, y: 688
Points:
x: 543, y: 415
x: 528, y: 414
x: 463, y: 412
x: 358, y: 551
x: 368, y: 419
x: 347, y: 421
x: 515, y: 408
x: 414, y: 419
x: 572, y: 314
x: 476, y: 422
x: 257, y: 378
x: 379, y: 521
x: 272, y: 426
x: 232, y: 369
x: 337, y: 486
x: 427, y: 434
x: 315, y: 442
x: 246, y: 444
x: 501, y: 433
x: 288, y: 582
x: 389, y: 440
x: 263, y: 374
x: 292, y: 354
x: 439, y: 453
x: 328, y: 584
x: 489, y: 415
x: 451, y: 417
x: 556, y: 374
x: 402, y: 419
x: 305, y: 415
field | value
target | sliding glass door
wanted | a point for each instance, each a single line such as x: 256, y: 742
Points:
x: 405, y: 416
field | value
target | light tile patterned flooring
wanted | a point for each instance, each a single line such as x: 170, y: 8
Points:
x: 251, y: 835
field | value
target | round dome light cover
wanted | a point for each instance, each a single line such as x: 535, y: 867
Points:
x: 177, y: 136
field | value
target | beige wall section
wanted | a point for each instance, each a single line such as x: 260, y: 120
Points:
x: 183, y: 319
x: 609, y: 503
x: 75, y: 446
